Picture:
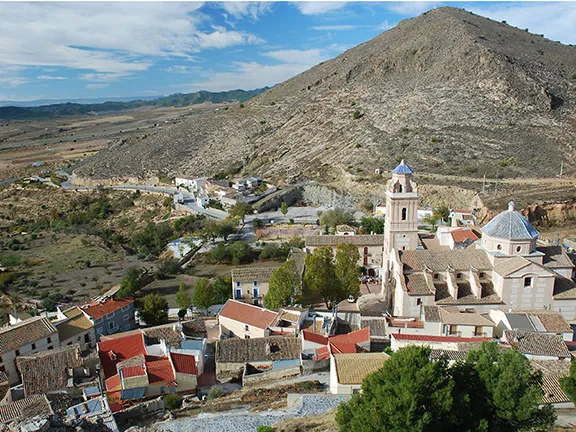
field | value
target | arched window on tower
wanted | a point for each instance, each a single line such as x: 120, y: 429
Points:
x: 399, y: 188
x: 404, y: 213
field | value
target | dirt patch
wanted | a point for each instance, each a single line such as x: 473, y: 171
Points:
x: 322, y: 423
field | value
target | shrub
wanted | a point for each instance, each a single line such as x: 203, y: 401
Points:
x: 574, y: 76
x: 241, y: 105
x: 353, y: 103
x: 435, y: 139
x: 172, y: 401
x: 356, y: 115
x: 265, y: 428
x: 262, y: 122
x: 257, y: 223
x: 358, y: 145
x: 214, y: 393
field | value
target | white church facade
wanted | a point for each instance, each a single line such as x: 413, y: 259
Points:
x: 506, y: 269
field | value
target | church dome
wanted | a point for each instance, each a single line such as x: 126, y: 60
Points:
x: 402, y: 169
x: 510, y: 225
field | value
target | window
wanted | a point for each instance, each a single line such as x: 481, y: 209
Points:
x: 256, y: 302
x: 126, y: 317
x: 49, y: 347
x: 418, y: 301
x: 110, y: 325
x: 110, y: 315
x: 2, y: 368
x: 499, y: 247
x: 365, y: 251
x: 237, y: 284
x: 436, y: 276
x: 69, y: 343
x: 17, y: 353
x: 246, y: 328
x: 49, y: 340
x: 99, y: 320
x: 365, y: 261
x: 404, y: 213
x: 127, y: 327
x: 403, y: 247
x: 400, y: 188
x: 255, y: 283
x: 125, y: 308
x: 458, y: 275
x: 527, y: 282
x: 256, y: 292
x: 481, y: 275
x: 518, y: 248
x: 453, y: 330
x: 238, y: 293
x: 33, y: 346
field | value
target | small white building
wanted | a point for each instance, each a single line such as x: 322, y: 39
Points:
x: 448, y: 343
x: 347, y: 371
x: 534, y: 321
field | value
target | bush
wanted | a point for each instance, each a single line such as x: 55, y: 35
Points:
x: 172, y: 401
x: 170, y: 267
x: 257, y: 223
x: 214, y: 393
x: 574, y: 76
x: 356, y: 115
x: 274, y: 251
x: 265, y: 428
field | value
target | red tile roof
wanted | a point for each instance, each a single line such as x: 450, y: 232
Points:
x: 314, y: 337
x: 254, y: 316
x: 133, y: 371
x: 429, y: 338
x: 123, y: 348
x: 462, y: 211
x: 355, y: 337
x: 184, y: 363
x: 159, y: 370
x: 342, y: 348
x: 460, y: 235
x: 113, y: 383
x: 98, y: 310
x: 322, y: 353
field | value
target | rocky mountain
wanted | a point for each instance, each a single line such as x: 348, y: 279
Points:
x: 451, y: 92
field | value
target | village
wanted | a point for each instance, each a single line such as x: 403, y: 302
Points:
x: 310, y: 319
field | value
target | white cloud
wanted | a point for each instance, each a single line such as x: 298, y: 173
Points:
x: 12, y: 81
x: 50, y: 77
x: 318, y: 8
x: 115, y: 37
x: 181, y: 69
x: 246, y: 9
x: 96, y: 86
x: 101, y: 77
x: 294, y: 56
x: 410, y: 7
x: 385, y: 26
x: 556, y: 21
x: 335, y: 28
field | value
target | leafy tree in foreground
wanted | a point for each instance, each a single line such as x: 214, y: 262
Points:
x: 284, y: 208
x: 222, y: 289
x: 203, y: 294
x: 183, y: 299
x: 320, y: 277
x: 283, y: 281
x: 568, y: 383
x: 347, y: 269
x: 240, y: 210
x: 410, y: 393
x: 441, y: 213
x: 155, y: 309
x: 334, y: 217
x: 431, y: 220
x: 130, y: 283
x: 372, y: 225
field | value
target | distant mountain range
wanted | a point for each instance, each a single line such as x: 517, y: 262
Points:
x: 19, y: 110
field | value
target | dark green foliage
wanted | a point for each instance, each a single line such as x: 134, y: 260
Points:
x: 347, y: 269
x: 240, y: 252
x: 240, y: 210
x: 130, y: 283
x: 183, y: 299
x: 172, y: 401
x: 170, y: 267
x: 265, y: 428
x: 155, y: 309
x: 372, y: 225
x: 568, y: 383
x: 320, y: 277
x: 356, y: 115
x: 337, y: 216
x: 222, y: 288
x: 275, y: 251
x: 214, y: 393
x: 182, y: 313
x: 441, y: 213
x: 203, y: 294
x: 257, y: 223
x: 51, y: 301
x: 574, y: 76
x: 218, y: 229
x: 282, y: 286
x: 189, y: 225
x: 153, y: 239
x: 215, y: 204
x: 284, y: 208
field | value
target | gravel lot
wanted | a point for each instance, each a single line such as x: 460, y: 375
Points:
x: 246, y: 421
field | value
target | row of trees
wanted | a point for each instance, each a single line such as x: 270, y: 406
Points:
x: 493, y: 390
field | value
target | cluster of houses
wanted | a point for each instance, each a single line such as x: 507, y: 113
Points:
x: 226, y: 192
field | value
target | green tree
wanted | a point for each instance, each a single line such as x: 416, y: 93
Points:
x: 220, y: 253
x: 240, y: 252
x: 284, y: 208
x: 431, y: 220
x: 172, y: 401
x: 282, y: 285
x: 130, y: 283
x: 222, y: 288
x: 183, y: 299
x: 568, y: 383
x: 372, y: 225
x: 337, y: 216
x: 203, y: 294
x: 347, y: 269
x: 225, y: 228
x: 240, y: 210
x: 257, y: 223
x: 320, y: 277
x: 441, y: 213
x: 410, y: 393
x: 155, y: 309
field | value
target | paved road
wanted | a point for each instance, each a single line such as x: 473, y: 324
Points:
x: 189, y: 200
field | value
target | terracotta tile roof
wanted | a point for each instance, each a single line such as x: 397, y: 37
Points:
x: 465, y: 296
x: 288, y: 315
x: 377, y: 326
x: 99, y: 310
x: 257, y: 349
x: 462, y: 211
x: 26, y: 332
x: 345, y: 228
x: 417, y: 284
x: 31, y: 406
x: 164, y: 332
x: 132, y: 371
x: 159, y: 370
x: 254, y: 316
x: 353, y: 368
x: 251, y: 274
x: 506, y: 266
x: 48, y: 370
x: 432, y: 314
x: 314, y: 337
x: 122, y: 349
x: 551, y: 321
x: 537, y: 343
x: 438, y: 260
x: 184, y: 363
x: 452, y: 316
x: 461, y: 235
x: 552, y: 371
x: 355, y: 337
x: 437, y: 339
x: 451, y: 355
x: 113, y: 383
x: 76, y: 325
x: 555, y: 257
x: 195, y: 328
x: 333, y: 240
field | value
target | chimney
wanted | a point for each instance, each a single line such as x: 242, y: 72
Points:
x: 511, y: 206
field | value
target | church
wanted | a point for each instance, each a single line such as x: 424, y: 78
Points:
x: 506, y: 269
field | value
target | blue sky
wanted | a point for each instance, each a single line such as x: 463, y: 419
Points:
x: 90, y: 50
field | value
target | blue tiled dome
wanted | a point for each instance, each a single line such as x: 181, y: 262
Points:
x: 402, y: 169
x: 510, y: 225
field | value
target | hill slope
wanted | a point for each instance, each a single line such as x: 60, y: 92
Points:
x: 450, y: 91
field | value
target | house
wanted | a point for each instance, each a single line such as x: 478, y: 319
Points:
x: 456, y: 237
x: 369, y: 248
x: 18, y: 317
x: 463, y: 216
x: 253, y: 182
x: 448, y: 343
x: 318, y: 347
x: 250, y: 285
x: 239, y: 185
x: 27, y: 408
x: 536, y: 321
x: 49, y: 371
x: 450, y: 321
x: 380, y: 210
x: 505, y: 269
x: 140, y: 365
x: 232, y: 354
x: 94, y: 410
x: 111, y: 316
x: 347, y: 371
x: 76, y: 328
x: 178, y: 198
x: 193, y: 184
x: 245, y: 321
x: 28, y: 337
x: 345, y: 230
x: 538, y: 346
x: 552, y: 372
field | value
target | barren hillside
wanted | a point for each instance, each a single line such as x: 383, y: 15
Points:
x: 450, y: 91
